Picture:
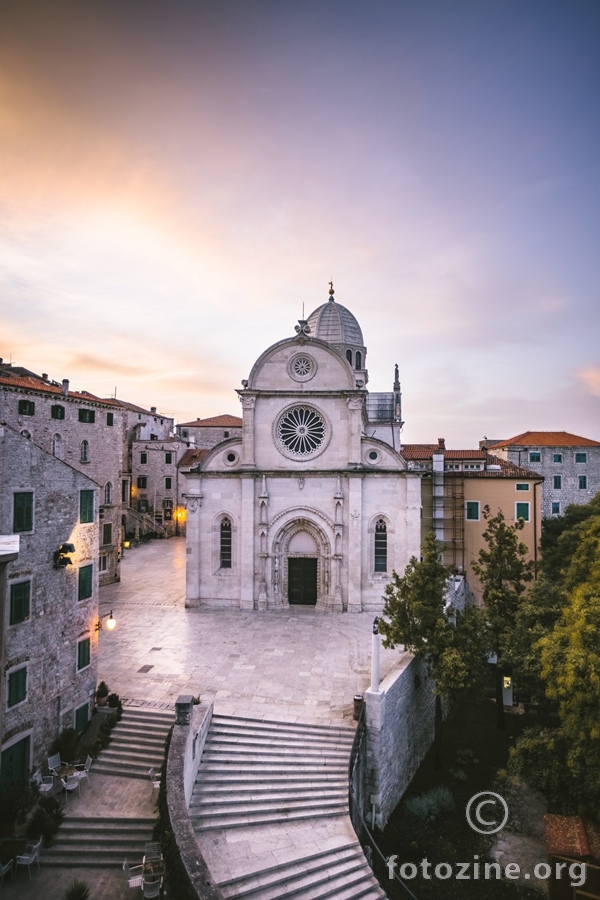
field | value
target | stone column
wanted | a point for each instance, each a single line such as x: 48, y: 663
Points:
x: 355, y: 405
x: 248, y: 405
x: 354, y: 560
x: 247, y: 543
x: 193, y: 560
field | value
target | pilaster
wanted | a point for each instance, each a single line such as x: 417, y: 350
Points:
x: 247, y: 543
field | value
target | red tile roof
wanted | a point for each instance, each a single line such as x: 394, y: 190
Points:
x: 506, y: 469
x: 192, y: 457
x: 425, y: 451
x: 224, y: 421
x: 545, y: 439
x: 572, y: 836
x: 43, y: 387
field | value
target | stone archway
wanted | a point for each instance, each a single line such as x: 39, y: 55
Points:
x: 301, y: 569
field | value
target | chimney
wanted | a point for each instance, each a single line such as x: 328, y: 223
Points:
x: 152, y: 409
x: 441, y: 444
x: 65, y: 387
x: 44, y: 376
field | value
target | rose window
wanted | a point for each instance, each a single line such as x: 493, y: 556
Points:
x: 301, y: 430
x: 302, y: 366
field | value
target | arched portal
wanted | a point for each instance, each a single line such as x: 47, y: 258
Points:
x: 301, y: 564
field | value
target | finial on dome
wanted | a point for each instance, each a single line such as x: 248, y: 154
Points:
x: 331, y: 292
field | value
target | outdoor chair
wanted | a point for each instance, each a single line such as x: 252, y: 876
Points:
x: 151, y: 887
x: 54, y: 763
x: 31, y: 855
x: 155, y: 781
x: 83, y: 770
x: 133, y: 880
x: 72, y: 783
x: 45, y: 784
x: 6, y: 867
x: 152, y: 851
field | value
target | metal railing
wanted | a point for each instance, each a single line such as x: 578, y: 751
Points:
x: 357, y: 796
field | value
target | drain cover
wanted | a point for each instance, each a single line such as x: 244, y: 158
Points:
x: 145, y: 668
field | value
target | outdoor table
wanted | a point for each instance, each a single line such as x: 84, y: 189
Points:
x: 63, y: 771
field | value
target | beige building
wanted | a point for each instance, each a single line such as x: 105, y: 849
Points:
x: 457, y: 485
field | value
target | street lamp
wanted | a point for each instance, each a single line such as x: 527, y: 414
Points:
x: 110, y: 621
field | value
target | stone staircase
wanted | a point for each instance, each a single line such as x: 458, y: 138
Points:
x: 88, y: 841
x: 272, y: 778
x: 137, y: 743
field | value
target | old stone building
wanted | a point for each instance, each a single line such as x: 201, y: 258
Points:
x: 156, y: 491
x: 313, y: 504
x: 83, y: 430
x: 49, y: 514
x: 568, y: 463
x: 206, y: 433
x: 456, y: 487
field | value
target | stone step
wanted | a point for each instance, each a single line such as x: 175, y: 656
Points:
x: 265, y: 736
x: 250, y: 819
x: 87, y: 824
x: 274, y: 749
x: 317, y: 880
x: 264, y: 769
x: 129, y: 753
x: 125, y: 769
x: 289, y: 728
x: 140, y: 734
x: 272, y: 874
x: 242, y: 788
x: 284, y: 798
x: 84, y: 858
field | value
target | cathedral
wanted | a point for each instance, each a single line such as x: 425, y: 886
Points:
x: 314, y: 504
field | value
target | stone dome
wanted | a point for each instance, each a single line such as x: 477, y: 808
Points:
x: 335, y: 324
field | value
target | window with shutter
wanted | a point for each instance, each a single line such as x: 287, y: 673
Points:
x: 142, y: 481
x: 83, y: 654
x: 110, y: 418
x: 26, y: 408
x: 107, y: 534
x: 23, y: 511
x: 87, y: 415
x: 473, y: 510
x: 522, y: 511
x: 81, y: 717
x: 168, y: 484
x: 86, y: 506
x: 57, y: 412
x: 17, y: 686
x: 20, y: 595
x: 85, y: 582
x: 168, y: 458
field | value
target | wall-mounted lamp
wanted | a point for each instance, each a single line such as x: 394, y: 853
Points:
x: 126, y: 545
x: 60, y: 558
x: 110, y: 621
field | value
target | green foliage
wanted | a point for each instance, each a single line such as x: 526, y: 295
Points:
x: 46, y: 820
x: 102, y: 690
x: 77, y: 890
x: 114, y: 701
x: 452, y: 646
x: 430, y: 806
x: 16, y: 802
x: 66, y: 744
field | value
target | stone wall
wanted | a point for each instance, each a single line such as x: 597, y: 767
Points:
x: 400, y: 721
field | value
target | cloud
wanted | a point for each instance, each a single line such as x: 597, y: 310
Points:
x: 591, y: 378
x: 87, y: 362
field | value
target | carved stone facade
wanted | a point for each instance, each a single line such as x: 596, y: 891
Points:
x: 304, y: 506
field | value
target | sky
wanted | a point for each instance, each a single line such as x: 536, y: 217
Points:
x: 179, y: 180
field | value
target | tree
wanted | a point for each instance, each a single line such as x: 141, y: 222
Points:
x: 450, y: 643
x: 504, y: 571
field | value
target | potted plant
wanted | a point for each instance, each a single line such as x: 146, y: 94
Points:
x: 102, y: 692
x: 114, y: 701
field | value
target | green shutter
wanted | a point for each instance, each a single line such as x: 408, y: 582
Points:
x: 86, y: 506
x: 81, y: 717
x: 83, y: 654
x: 19, y: 602
x: 17, y: 686
x: 523, y: 511
x: 473, y: 510
x: 23, y: 511
x: 85, y: 582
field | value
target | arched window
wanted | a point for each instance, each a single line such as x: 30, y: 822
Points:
x: 57, y: 448
x: 85, y: 452
x: 349, y: 356
x: 26, y: 434
x: 380, y: 546
x: 358, y: 360
x: 107, y: 493
x: 225, y: 547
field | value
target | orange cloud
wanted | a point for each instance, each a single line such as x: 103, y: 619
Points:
x: 591, y: 379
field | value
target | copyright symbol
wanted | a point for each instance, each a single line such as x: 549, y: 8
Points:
x: 477, y: 805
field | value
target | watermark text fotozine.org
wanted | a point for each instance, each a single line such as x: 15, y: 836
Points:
x: 466, y: 871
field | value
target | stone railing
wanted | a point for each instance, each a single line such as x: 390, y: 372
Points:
x: 187, y: 743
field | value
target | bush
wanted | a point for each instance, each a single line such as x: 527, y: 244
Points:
x: 114, y: 701
x: 430, y: 806
x: 102, y: 690
x: 77, y: 890
x: 16, y: 802
x: 66, y: 744
x: 45, y: 820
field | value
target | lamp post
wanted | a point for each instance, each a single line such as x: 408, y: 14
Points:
x: 110, y: 621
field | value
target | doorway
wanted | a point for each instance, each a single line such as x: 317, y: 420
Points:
x: 302, y: 581
x: 15, y: 763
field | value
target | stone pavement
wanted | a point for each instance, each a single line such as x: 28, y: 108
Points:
x: 291, y: 665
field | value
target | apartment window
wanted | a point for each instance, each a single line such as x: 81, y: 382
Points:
x: 557, y: 482
x: 535, y: 456
x: 522, y: 486
x: 556, y: 509
x: 85, y: 582
x: 582, y: 479
x: 17, y: 686
x: 87, y: 415
x: 86, y: 506
x: 110, y: 418
x: 82, y: 716
x: 108, y: 493
x: 161, y: 421
x: 380, y: 546
x: 472, y: 465
x: 225, y: 548
x: 124, y: 491
x: 20, y: 598
x: 522, y: 511
x: 142, y: 504
x: 107, y: 534
x: 84, y: 455
x: 168, y: 483
x: 23, y: 511
x: 26, y: 408
x: 168, y: 509
x: 473, y: 510
x: 143, y: 458
x: 452, y: 467
x: 142, y: 481
x: 225, y: 434
x: 581, y: 457
x: 57, y: 412
x: 103, y: 563
x: 153, y: 437
x: 57, y: 446
x: 83, y: 654
x: 168, y: 459
x: 557, y: 458
x: 184, y: 433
